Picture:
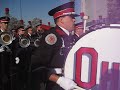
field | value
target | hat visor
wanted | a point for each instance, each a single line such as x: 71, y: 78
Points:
x: 38, y: 25
x: 75, y: 15
x: 72, y: 15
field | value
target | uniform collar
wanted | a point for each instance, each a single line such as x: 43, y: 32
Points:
x: 77, y: 35
x: 66, y: 31
x: 60, y: 31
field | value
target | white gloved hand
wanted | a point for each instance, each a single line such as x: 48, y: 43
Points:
x: 1, y: 49
x: 17, y: 60
x: 66, y: 83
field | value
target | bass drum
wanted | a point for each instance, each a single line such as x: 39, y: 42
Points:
x: 94, y: 61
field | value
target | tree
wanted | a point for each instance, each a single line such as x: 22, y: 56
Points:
x: 36, y: 21
x: 13, y: 23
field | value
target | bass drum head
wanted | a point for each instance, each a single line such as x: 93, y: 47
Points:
x: 94, y: 61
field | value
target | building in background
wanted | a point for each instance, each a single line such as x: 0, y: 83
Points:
x: 105, y: 11
x: 96, y: 8
x: 114, y: 11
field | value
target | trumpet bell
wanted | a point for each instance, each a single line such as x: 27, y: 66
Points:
x: 24, y: 42
x: 6, y: 38
x: 37, y: 43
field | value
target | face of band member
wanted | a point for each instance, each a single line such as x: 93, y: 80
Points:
x: 79, y: 30
x: 39, y: 28
x: 21, y: 31
x: 30, y: 31
x: 65, y: 14
x: 68, y: 22
x: 4, y: 25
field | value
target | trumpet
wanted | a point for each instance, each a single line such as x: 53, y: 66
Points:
x: 35, y: 40
x: 24, y: 42
x: 6, y: 38
x: 36, y: 43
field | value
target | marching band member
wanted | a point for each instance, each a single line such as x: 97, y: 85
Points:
x: 54, y: 47
x: 64, y: 17
x: 21, y: 58
x: 38, y: 72
x: 5, y: 57
x: 29, y: 31
x: 78, y: 30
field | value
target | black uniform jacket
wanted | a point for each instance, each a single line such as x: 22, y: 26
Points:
x: 6, y: 63
x: 52, y: 54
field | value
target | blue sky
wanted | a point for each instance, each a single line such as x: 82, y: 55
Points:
x: 33, y: 8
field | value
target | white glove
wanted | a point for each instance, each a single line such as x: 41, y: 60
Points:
x: 1, y: 49
x: 17, y: 60
x: 66, y: 83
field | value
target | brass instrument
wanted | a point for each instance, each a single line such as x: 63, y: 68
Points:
x: 6, y: 38
x: 36, y: 43
x: 24, y: 42
x: 33, y: 41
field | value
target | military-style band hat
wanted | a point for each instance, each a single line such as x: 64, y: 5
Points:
x: 38, y: 24
x: 18, y: 27
x: 79, y: 25
x: 27, y: 27
x: 63, y: 10
x: 4, y: 19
